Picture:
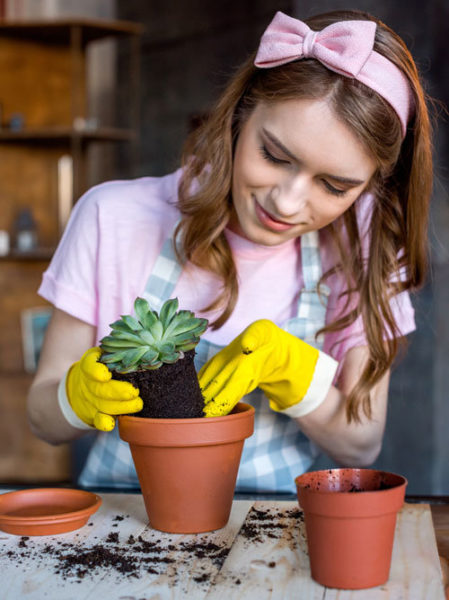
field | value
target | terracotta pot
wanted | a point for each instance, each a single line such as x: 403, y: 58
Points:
x: 187, y: 468
x: 350, y: 517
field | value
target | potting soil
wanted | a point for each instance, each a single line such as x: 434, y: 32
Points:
x: 170, y: 392
x: 136, y: 557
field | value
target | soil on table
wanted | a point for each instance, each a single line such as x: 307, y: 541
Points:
x: 170, y: 392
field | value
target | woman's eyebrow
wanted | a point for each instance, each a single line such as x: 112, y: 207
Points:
x: 280, y: 146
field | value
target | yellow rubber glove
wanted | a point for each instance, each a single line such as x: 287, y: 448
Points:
x: 287, y: 369
x: 95, y: 397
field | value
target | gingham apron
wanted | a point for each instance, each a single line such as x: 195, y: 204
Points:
x: 277, y: 451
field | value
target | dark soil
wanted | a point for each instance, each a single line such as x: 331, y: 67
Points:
x: 170, y: 392
x: 132, y: 558
x: 270, y: 523
x: 381, y: 486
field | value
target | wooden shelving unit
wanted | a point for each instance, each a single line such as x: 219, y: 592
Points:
x: 63, y: 135
x: 38, y: 254
x: 43, y: 68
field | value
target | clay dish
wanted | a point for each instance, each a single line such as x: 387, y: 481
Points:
x: 46, y: 511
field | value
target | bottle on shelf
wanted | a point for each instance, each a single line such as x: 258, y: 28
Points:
x: 25, y: 229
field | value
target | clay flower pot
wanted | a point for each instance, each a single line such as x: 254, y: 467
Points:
x: 350, y: 517
x: 187, y: 468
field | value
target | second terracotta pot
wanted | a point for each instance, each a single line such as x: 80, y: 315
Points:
x: 187, y: 468
x: 350, y: 517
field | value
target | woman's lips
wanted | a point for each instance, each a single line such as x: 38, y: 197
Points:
x: 269, y: 221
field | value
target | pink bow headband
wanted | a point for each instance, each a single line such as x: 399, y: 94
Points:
x: 345, y: 47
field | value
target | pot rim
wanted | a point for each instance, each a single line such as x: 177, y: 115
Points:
x: 403, y: 482
x: 188, y: 432
x: 240, y: 414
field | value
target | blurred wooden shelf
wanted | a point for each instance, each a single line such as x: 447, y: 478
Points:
x: 45, y: 69
x: 60, y: 31
x: 23, y: 457
x: 39, y: 254
x: 64, y: 135
x: 44, y: 66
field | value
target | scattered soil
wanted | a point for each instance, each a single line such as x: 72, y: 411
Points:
x: 75, y: 561
x: 170, y: 392
x: 137, y: 556
x: 353, y: 488
x: 271, y: 523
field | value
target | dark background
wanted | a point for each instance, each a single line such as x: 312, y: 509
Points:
x: 188, y: 51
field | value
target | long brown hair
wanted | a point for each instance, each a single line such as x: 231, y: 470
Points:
x: 402, y: 186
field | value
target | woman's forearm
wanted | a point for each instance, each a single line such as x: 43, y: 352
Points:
x: 45, y: 416
x: 349, y: 444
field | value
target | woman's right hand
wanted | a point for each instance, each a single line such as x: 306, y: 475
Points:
x: 95, y: 397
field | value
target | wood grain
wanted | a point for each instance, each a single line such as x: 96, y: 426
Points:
x: 440, y: 517
x: 29, y: 179
x: 19, y: 282
x: 274, y: 566
x: 37, y: 82
x: 23, y: 457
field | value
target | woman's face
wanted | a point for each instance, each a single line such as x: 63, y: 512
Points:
x: 296, y: 168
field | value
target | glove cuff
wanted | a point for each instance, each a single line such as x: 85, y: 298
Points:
x: 70, y: 415
x: 323, y: 376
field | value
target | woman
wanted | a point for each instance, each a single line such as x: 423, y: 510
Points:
x: 300, y: 218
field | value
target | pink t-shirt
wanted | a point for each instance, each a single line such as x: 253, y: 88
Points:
x: 116, y: 232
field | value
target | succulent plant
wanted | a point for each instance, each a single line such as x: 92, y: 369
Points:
x: 151, y: 339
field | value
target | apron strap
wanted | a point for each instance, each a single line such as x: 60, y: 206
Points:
x: 312, y: 302
x: 164, y: 276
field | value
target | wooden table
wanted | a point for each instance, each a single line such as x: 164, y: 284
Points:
x: 440, y: 517
x: 260, y: 554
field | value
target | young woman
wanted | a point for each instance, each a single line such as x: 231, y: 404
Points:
x: 297, y: 225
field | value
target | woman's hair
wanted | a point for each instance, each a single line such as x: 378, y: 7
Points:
x: 401, y: 184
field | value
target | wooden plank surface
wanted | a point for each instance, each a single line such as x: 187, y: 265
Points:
x: 261, y: 553
x: 23, y: 457
x: 269, y: 558
x: 279, y: 568
x: 440, y: 517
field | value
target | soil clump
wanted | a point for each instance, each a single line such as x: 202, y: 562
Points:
x: 170, y: 392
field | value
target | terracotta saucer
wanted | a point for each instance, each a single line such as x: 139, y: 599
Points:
x: 46, y: 511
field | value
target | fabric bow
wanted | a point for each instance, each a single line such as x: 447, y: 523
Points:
x: 343, y: 47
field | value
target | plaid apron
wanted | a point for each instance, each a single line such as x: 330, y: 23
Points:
x: 277, y: 451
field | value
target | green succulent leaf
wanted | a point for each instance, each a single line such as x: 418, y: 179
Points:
x: 132, y: 357
x: 131, y: 322
x: 141, y: 308
x: 149, y: 320
x: 150, y: 355
x: 113, y: 342
x: 151, y: 339
x: 184, y: 339
x: 113, y: 357
x: 168, y: 311
x: 113, y: 366
x: 119, y: 326
x: 177, y: 327
x: 188, y: 346
x: 126, y: 336
x: 154, y: 366
x: 147, y: 337
x: 124, y: 370
x: 167, y: 348
x: 169, y: 358
x: 157, y: 330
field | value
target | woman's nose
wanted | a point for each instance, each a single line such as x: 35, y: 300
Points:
x: 291, y: 196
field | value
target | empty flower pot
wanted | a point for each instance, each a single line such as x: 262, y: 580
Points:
x: 187, y: 468
x: 350, y: 516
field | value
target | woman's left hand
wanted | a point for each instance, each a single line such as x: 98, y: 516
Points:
x: 288, y: 370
